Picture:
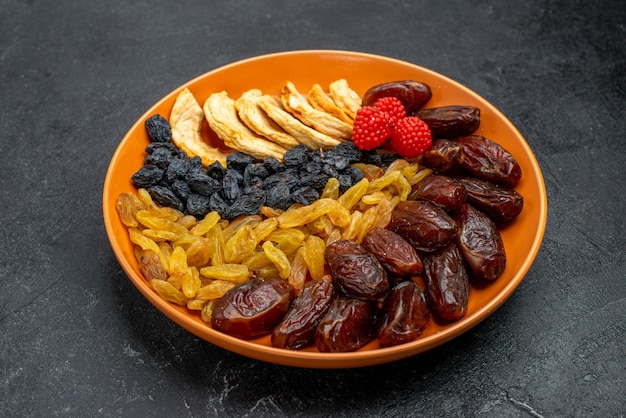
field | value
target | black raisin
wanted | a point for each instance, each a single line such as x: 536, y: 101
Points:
x: 287, y: 177
x: 177, y: 169
x: 278, y: 196
x: 166, y: 197
x: 218, y: 204
x: 372, y: 157
x: 305, y: 195
x: 248, y: 204
x: 182, y: 189
x: 317, y: 181
x: 202, y: 183
x: 216, y: 170
x: 159, y: 129
x: 387, y: 158
x: 254, y: 170
x: 160, y: 157
x: 313, y: 167
x: 296, y: 156
x: 168, y: 146
x: 230, y: 185
x: 345, y: 182
x: 349, y: 151
x: 238, y: 161
x: 355, y: 174
x: 273, y: 165
x: 198, y: 205
x: 330, y: 170
x: 147, y: 176
x: 195, y: 163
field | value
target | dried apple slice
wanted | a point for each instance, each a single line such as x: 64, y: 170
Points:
x: 186, y: 122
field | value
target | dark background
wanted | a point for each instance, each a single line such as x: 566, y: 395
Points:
x: 77, y: 339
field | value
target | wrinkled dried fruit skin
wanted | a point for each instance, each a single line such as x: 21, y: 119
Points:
x: 450, y: 121
x: 348, y: 325
x: 393, y: 252
x: 405, y: 315
x: 487, y: 160
x: 253, y: 308
x: 444, y: 156
x: 297, y: 329
x: 447, y: 282
x: 356, y: 272
x: 151, y: 267
x: 446, y: 192
x: 480, y: 243
x: 501, y: 203
x: 425, y: 226
x: 412, y: 94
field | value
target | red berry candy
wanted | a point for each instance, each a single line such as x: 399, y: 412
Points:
x: 372, y: 127
x: 411, y: 137
x: 393, y: 106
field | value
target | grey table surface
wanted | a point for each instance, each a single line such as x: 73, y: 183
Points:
x: 77, y: 339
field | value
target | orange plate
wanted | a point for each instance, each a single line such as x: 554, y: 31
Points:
x: 522, y: 239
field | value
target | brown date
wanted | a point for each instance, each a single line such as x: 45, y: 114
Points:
x: 356, y: 272
x: 487, y: 160
x: 444, y: 156
x: 501, y: 203
x: 253, y: 308
x: 450, y: 121
x: 412, y: 94
x: 393, y: 252
x: 424, y: 225
x: 445, y: 192
x: 480, y: 243
x: 405, y: 315
x: 297, y: 329
x: 348, y: 325
x: 447, y: 282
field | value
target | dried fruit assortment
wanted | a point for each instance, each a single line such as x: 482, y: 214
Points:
x: 334, y: 220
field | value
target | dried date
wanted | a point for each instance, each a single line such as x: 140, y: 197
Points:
x: 447, y: 282
x: 487, y: 160
x: 424, y: 225
x: 444, y: 156
x: 450, y: 121
x: 413, y: 94
x: 480, y: 243
x: 356, y: 272
x: 348, y: 325
x: 253, y: 308
x: 405, y: 314
x: 501, y: 203
x: 297, y: 329
x: 445, y: 192
x: 393, y: 252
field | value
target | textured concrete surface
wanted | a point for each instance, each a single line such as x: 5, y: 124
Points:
x: 79, y: 340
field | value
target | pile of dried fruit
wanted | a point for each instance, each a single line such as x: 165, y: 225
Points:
x: 331, y: 243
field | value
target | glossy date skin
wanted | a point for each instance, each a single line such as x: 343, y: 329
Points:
x: 405, y: 314
x: 487, y: 160
x: 446, y: 192
x: 480, y: 243
x: 413, y: 94
x: 501, y: 203
x: 349, y: 325
x: 253, y: 308
x: 393, y: 252
x: 424, y: 225
x: 297, y: 329
x: 356, y: 272
x: 450, y: 121
x: 447, y: 282
x: 445, y: 156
